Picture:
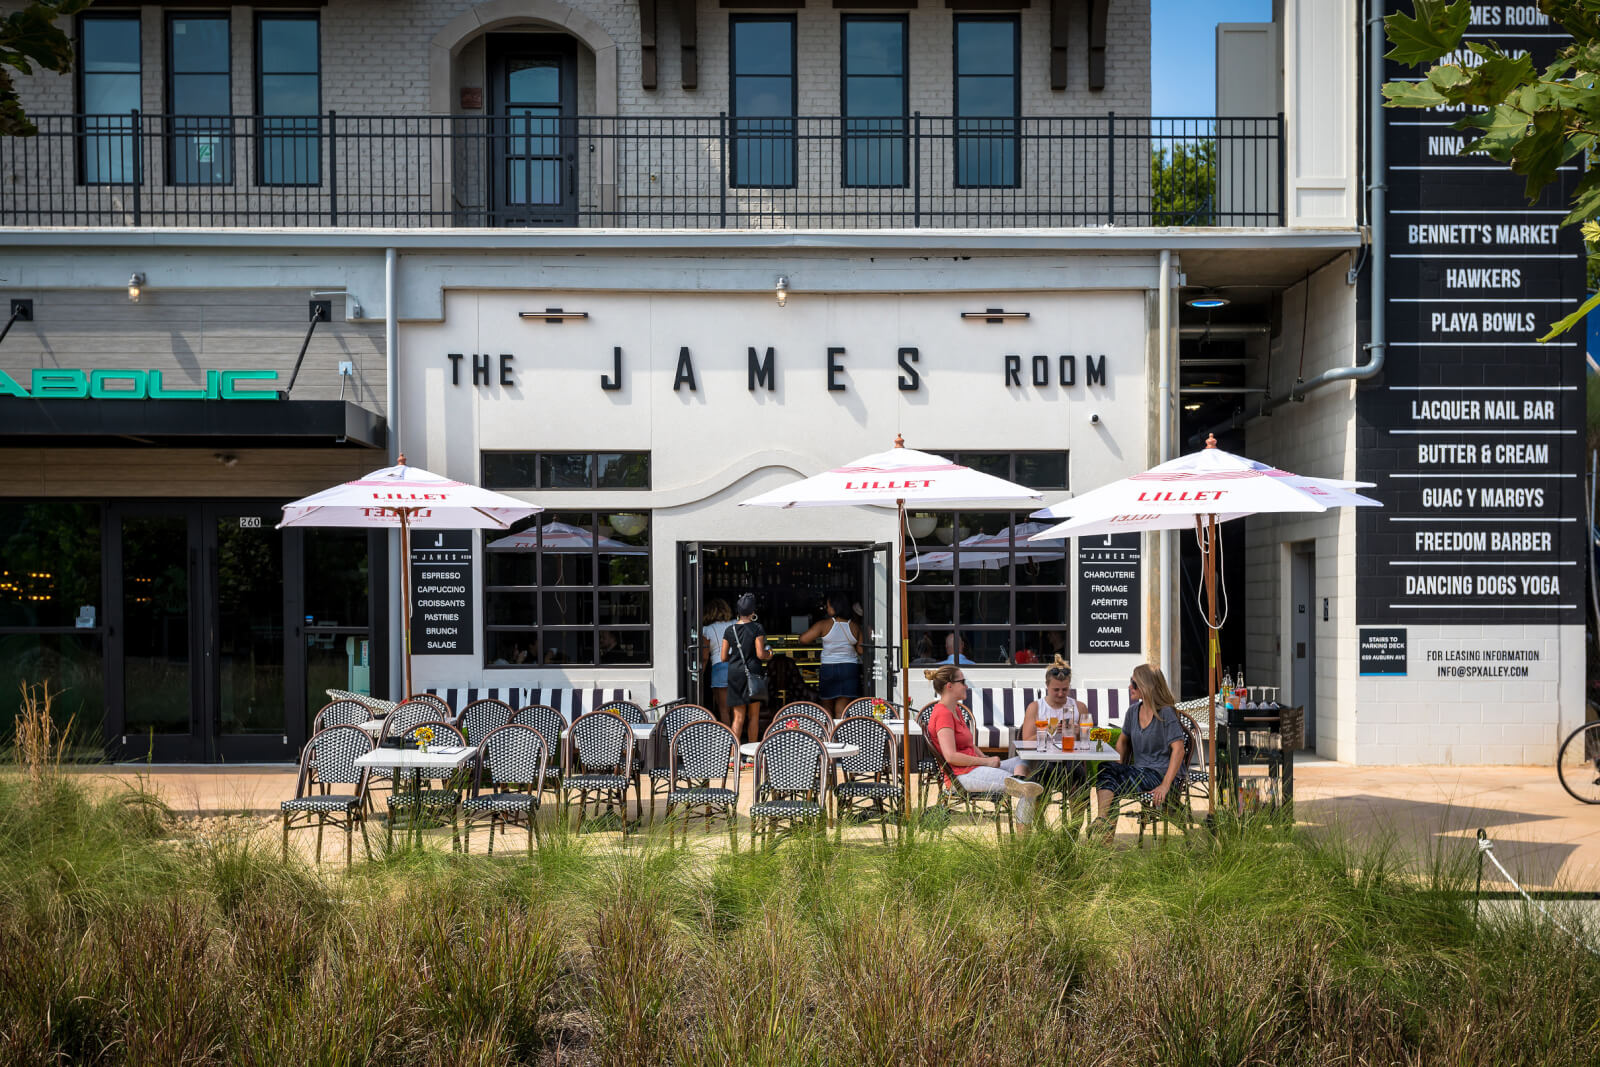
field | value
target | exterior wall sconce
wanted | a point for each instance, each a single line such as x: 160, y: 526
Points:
x: 135, y: 287
x: 782, y: 289
x: 994, y: 315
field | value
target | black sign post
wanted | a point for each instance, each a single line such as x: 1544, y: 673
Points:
x: 1108, y: 593
x: 441, y: 592
x: 1474, y: 432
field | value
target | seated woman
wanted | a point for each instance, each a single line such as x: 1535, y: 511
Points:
x: 978, y: 773
x: 1071, y: 778
x: 1151, y: 745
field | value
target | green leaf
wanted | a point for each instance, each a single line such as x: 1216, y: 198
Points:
x: 1447, y: 77
x: 1437, y: 29
x: 1540, y: 152
x: 1412, y: 94
x: 1502, y: 129
x: 1494, y: 79
x: 1573, y: 319
x: 1585, y: 199
x: 1578, y: 17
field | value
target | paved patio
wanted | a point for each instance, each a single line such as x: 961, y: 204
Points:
x: 1542, y: 835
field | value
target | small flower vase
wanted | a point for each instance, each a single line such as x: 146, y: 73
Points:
x: 422, y: 747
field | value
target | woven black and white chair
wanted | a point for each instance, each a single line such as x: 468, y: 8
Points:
x: 953, y: 792
x: 340, y: 713
x: 660, y: 771
x: 413, y: 712
x: 927, y: 766
x: 441, y: 802
x: 870, y: 790
x: 791, y: 780
x: 482, y: 717
x: 549, y: 722
x: 599, y: 762
x: 446, y: 712
x: 329, y: 758
x: 700, y: 765
x: 507, y: 783
x: 860, y: 706
x: 1194, y: 776
x: 806, y: 709
x: 1176, y: 806
x: 627, y: 710
x: 798, y: 722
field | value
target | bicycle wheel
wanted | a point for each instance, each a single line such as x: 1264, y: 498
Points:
x: 1578, y: 763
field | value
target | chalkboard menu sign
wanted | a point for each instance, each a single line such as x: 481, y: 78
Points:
x: 1474, y: 432
x: 441, y: 592
x: 1108, y: 593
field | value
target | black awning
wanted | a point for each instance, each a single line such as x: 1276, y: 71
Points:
x: 192, y: 423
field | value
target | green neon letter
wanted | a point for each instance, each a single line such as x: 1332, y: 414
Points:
x: 70, y: 384
x: 100, y: 388
x: 9, y: 387
x: 229, y: 391
x: 159, y: 390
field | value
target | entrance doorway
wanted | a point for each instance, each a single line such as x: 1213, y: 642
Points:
x: 791, y: 583
x: 223, y: 631
x: 533, y: 130
x: 1303, y: 636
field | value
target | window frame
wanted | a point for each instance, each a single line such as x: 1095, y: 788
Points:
x: 84, y: 135
x: 735, y: 180
x: 262, y: 117
x: 961, y: 456
x: 845, y: 134
x: 1013, y: 138
x: 169, y: 99
x: 594, y: 476
x: 537, y: 591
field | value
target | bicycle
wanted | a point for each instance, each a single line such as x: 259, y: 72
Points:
x: 1578, y: 759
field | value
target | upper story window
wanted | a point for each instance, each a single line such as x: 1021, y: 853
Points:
x: 289, y: 99
x: 566, y: 470
x: 762, y: 95
x: 876, y: 103
x: 1036, y: 470
x: 109, y: 91
x: 200, y: 99
x: 988, y: 100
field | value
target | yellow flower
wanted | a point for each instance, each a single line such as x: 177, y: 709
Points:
x: 425, y: 734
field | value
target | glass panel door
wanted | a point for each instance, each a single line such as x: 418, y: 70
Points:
x: 156, y: 682
x: 339, y: 650
x: 245, y: 635
x: 533, y: 134
x: 692, y: 679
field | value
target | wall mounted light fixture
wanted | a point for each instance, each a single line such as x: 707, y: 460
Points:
x: 1206, y: 299
x: 782, y: 289
x: 135, y: 287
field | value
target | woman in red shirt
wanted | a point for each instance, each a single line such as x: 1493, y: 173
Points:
x: 978, y: 773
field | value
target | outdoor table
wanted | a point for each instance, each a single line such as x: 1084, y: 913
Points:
x: 835, y: 751
x: 372, y: 727
x: 1086, y: 753
x: 415, y: 761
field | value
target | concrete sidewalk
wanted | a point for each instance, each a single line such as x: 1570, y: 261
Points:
x: 1544, y: 837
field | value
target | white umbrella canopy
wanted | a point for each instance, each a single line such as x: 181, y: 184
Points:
x: 991, y: 550
x: 897, y: 477
x: 563, y: 537
x: 1198, y: 491
x: 403, y: 497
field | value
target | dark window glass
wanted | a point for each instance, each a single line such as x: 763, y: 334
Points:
x: 74, y: 664
x: 508, y: 470
x: 566, y: 470
x: 762, y: 94
x: 49, y: 563
x: 622, y: 470
x: 200, y: 99
x: 875, y: 100
x: 289, y: 99
x: 1036, y: 470
x: 981, y: 585
x: 987, y: 100
x: 336, y: 589
x: 569, y: 587
x: 110, y: 90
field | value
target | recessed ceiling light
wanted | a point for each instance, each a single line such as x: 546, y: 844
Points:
x: 1207, y: 298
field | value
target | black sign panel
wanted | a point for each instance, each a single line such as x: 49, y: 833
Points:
x: 1383, y: 651
x: 441, y: 592
x: 1108, y: 593
x: 1474, y: 432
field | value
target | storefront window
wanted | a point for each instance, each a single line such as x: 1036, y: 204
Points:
x: 981, y: 590
x: 569, y: 589
x: 1036, y: 470
x: 566, y: 470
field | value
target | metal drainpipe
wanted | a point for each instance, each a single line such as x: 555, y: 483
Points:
x: 1377, y: 214
x: 1164, y: 350
x: 391, y: 345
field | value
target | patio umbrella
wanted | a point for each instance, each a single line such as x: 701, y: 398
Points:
x: 899, y: 477
x: 562, y: 537
x: 407, y: 498
x: 1201, y: 490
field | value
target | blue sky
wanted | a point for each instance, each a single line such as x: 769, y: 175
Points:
x: 1183, y: 76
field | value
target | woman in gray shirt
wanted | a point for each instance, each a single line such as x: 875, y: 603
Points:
x: 1152, y: 745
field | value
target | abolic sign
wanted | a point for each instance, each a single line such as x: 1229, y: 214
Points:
x: 68, y: 384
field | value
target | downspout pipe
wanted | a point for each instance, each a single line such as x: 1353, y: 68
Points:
x: 391, y: 356
x: 1165, y: 357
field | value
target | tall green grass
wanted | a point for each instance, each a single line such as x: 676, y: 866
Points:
x: 123, y: 941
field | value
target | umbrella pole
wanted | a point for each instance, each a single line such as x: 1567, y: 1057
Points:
x: 905, y: 668
x: 1211, y: 648
x: 405, y: 594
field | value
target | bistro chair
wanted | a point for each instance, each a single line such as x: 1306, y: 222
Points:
x: 927, y: 766
x: 871, y: 789
x: 416, y: 802
x: 627, y: 710
x: 548, y: 721
x: 860, y: 706
x: 340, y: 713
x: 701, y: 753
x: 413, y: 712
x: 511, y: 764
x: 951, y: 791
x: 1196, y: 779
x: 790, y: 783
x: 799, y: 722
x: 599, y: 761
x: 1176, y: 805
x: 329, y: 758
x: 446, y: 712
x: 659, y: 746
x: 482, y: 717
x: 808, y: 709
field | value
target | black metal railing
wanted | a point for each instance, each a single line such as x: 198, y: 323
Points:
x: 709, y: 172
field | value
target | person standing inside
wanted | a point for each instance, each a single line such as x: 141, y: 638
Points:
x: 840, y: 676
x: 713, y: 624
x: 744, y: 650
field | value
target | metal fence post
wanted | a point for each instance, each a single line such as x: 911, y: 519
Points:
x: 722, y: 170
x: 333, y: 171
x: 138, y: 170
x: 1111, y: 168
x: 1283, y: 177
x: 916, y: 168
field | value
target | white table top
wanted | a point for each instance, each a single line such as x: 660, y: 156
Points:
x: 372, y: 727
x: 898, y: 727
x: 410, y: 759
x: 1082, y: 753
x: 835, y: 751
x: 642, y: 731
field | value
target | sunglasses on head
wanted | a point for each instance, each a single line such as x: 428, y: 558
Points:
x: 1058, y: 672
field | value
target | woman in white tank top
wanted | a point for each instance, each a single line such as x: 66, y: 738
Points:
x: 840, y: 674
x: 1069, y: 778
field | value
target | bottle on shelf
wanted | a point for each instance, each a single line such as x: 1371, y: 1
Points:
x: 1225, y: 698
